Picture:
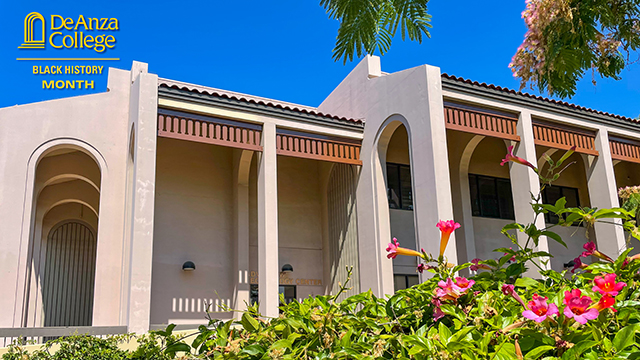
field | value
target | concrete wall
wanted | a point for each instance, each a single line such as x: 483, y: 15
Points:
x: 96, y: 124
x: 300, y: 222
x: 193, y: 221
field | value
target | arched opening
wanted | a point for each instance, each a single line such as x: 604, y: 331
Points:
x: 62, y: 251
x: 69, y: 275
x: 393, y: 148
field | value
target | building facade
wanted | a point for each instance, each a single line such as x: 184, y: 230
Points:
x: 156, y: 200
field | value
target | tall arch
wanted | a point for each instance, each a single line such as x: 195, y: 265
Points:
x: 396, y: 215
x: 64, y: 185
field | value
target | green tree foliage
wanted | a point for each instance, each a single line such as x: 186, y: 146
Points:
x: 568, y: 38
x: 369, y: 26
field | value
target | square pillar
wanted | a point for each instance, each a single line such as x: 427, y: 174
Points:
x: 242, y: 166
x: 432, y: 200
x: 601, y: 181
x: 144, y: 111
x: 524, y: 183
x: 268, y: 272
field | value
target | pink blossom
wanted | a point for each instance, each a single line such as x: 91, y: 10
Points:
x: 577, y: 307
x: 394, y: 250
x: 476, y: 265
x: 577, y: 264
x: 446, y: 228
x: 509, y: 290
x: 607, y: 285
x: 589, y: 248
x: 540, y: 310
x: 462, y: 285
x: 516, y: 159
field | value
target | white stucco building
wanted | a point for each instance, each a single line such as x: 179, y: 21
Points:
x: 108, y: 200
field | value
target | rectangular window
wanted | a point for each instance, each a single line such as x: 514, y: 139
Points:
x: 551, y: 194
x: 404, y: 281
x: 289, y: 292
x: 491, y: 197
x: 399, y: 190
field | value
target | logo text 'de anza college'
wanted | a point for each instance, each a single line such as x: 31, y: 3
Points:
x: 69, y: 33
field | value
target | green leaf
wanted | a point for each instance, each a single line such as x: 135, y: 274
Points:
x: 527, y: 282
x: 625, y: 337
x: 177, y: 347
x: 537, y: 352
x: 249, y: 323
x: 253, y: 350
x: 554, y: 236
x: 444, y: 333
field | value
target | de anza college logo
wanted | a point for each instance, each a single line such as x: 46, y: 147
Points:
x: 31, y: 41
x: 82, y: 32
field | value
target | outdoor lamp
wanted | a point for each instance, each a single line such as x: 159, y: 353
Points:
x: 287, y: 268
x: 188, y: 266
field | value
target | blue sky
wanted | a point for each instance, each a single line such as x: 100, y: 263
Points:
x: 280, y: 49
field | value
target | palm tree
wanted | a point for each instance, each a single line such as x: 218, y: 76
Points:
x: 367, y: 26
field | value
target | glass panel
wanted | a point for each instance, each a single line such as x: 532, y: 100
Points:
x: 550, y: 195
x: 413, y: 280
x: 475, y: 199
x: 289, y: 292
x: 405, y: 190
x: 571, y: 194
x: 399, y: 282
x: 488, y: 197
x: 253, y: 294
x: 393, y: 186
x: 505, y: 199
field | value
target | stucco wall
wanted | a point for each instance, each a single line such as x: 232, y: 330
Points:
x: 403, y: 229
x: 300, y: 222
x: 193, y: 221
x: 488, y: 237
x: 98, y: 124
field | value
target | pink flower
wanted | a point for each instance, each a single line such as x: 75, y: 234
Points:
x: 577, y: 264
x: 446, y: 228
x: 540, y: 310
x: 394, y: 250
x: 423, y: 267
x: 515, y: 159
x: 447, y: 290
x: 607, y: 285
x: 462, y: 285
x: 437, y: 314
x: 589, y: 248
x: 509, y: 290
x: 577, y: 307
x: 606, y: 302
x: 476, y: 265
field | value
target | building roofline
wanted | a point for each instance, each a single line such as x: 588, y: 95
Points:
x: 190, y: 92
x: 451, y: 82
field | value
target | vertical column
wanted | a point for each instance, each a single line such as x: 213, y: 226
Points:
x: 524, y: 183
x: 268, y: 275
x: 242, y: 165
x: 430, y: 170
x: 143, y: 110
x: 601, y: 181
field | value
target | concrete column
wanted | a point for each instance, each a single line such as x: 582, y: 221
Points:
x: 432, y: 199
x: 524, y: 183
x: 268, y: 272
x: 242, y: 166
x: 143, y: 111
x: 601, y: 181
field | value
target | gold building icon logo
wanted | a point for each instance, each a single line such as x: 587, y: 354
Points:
x: 31, y: 39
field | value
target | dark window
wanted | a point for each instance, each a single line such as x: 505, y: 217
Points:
x: 399, y: 191
x: 289, y: 292
x: 491, y: 197
x: 404, y: 281
x: 551, y: 194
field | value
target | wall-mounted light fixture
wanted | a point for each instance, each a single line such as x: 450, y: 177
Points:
x: 188, y: 266
x: 287, y: 268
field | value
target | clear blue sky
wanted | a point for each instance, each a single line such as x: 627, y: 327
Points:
x: 281, y: 49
